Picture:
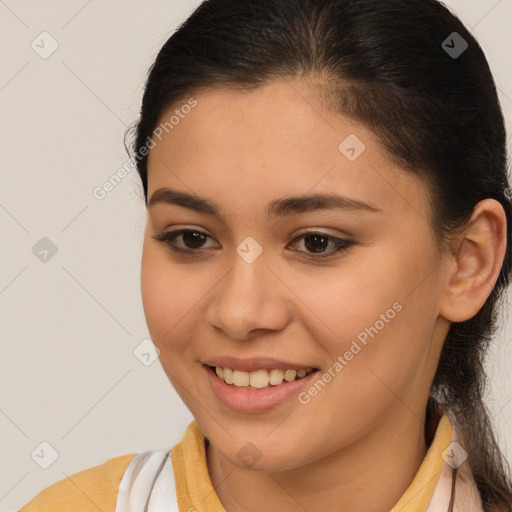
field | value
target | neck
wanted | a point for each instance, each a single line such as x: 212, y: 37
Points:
x: 370, y: 474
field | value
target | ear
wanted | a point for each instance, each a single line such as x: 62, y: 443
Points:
x: 477, y: 256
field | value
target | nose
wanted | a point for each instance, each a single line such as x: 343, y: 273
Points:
x: 249, y: 299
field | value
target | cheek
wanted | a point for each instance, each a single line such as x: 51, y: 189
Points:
x: 388, y: 294
x: 152, y: 286
x: 162, y: 295
x: 382, y: 321
x: 172, y: 298
x: 351, y: 299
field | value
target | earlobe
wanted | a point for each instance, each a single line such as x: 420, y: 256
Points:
x: 478, y: 258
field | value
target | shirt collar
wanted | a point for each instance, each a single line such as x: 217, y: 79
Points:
x: 429, y: 491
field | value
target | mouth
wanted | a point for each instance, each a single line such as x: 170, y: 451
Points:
x: 259, y: 379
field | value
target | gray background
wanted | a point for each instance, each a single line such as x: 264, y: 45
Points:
x: 70, y: 325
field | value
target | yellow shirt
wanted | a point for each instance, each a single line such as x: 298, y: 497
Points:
x: 96, y: 488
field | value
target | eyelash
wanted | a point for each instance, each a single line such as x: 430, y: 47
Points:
x: 168, y: 238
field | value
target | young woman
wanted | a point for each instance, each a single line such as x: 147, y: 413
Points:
x: 328, y: 236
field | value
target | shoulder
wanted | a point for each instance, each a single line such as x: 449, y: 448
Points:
x: 93, y: 489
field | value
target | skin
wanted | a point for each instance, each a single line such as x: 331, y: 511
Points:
x: 243, y: 150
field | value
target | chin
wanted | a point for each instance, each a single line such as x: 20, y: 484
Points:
x: 249, y: 460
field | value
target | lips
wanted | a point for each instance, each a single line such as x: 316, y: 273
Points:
x: 253, y: 364
x: 260, y: 398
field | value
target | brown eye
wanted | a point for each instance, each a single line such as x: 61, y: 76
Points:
x: 193, y: 240
x: 316, y: 243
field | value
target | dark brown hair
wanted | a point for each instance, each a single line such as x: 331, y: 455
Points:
x: 383, y: 63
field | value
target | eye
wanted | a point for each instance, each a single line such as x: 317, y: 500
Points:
x: 316, y: 242
x: 194, y: 239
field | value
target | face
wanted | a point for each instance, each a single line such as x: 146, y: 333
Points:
x: 349, y: 290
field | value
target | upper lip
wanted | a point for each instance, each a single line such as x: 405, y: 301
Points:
x: 251, y: 364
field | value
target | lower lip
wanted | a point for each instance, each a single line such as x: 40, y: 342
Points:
x: 258, y: 400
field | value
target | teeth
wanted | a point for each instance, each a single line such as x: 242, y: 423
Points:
x: 289, y: 375
x: 240, y: 378
x: 260, y: 379
x: 228, y: 375
x: 276, y: 376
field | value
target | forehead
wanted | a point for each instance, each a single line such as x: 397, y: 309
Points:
x: 245, y: 148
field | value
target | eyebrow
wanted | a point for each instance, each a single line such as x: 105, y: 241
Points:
x: 277, y: 208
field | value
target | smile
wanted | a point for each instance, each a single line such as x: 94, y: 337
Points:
x: 260, y: 379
